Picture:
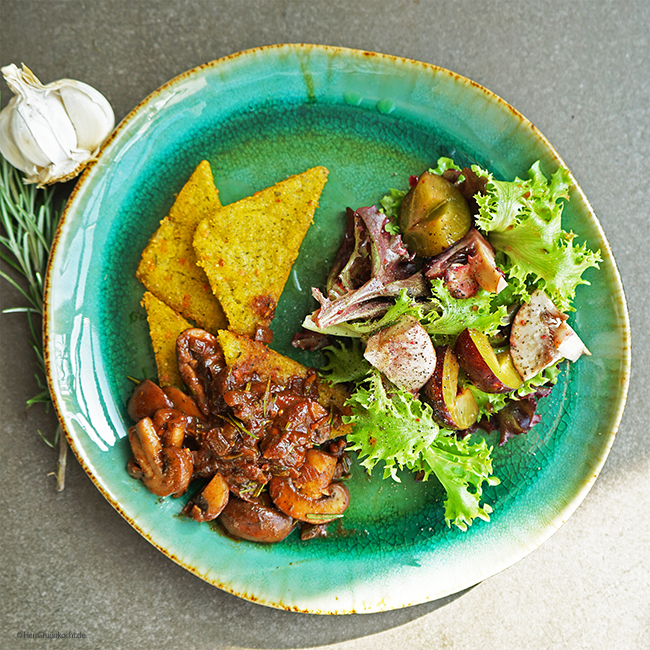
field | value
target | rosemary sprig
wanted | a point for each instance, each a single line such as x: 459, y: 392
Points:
x: 28, y: 221
x: 237, y: 424
x: 313, y: 516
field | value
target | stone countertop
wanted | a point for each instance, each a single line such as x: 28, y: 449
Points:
x: 580, y: 72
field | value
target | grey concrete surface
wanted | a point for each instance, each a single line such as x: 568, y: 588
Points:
x: 580, y: 71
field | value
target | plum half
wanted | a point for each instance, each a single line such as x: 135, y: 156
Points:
x: 488, y: 371
x: 453, y: 408
x: 433, y: 216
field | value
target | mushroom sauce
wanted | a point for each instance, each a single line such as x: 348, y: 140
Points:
x: 260, y: 449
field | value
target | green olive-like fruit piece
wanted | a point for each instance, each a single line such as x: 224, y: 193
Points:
x: 434, y: 215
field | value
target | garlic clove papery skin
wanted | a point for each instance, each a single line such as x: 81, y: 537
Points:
x: 40, y: 125
x: 8, y: 147
x: 51, y: 132
x: 42, y: 130
x: 91, y: 115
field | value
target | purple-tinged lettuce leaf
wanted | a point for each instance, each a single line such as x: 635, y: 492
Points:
x: 390, y: 272
x: 351, y: 267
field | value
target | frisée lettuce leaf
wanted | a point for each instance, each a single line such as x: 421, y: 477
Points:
x: 523, y: 220
x: 345, y: 363
x: 400, y: 431
x: 448, y: 316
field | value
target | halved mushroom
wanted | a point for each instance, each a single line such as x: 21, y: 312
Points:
x: 316, y: 474
x: 134, y: 470
x: 182, y: 402
x: 210, y: 502
x: 172, y: 425
x: 146, y: 399
x: 294, y: 503
x: 146, y: 446
x: 256, y: 520
x: 165, y: 470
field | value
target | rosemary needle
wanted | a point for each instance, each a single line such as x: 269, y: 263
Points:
x: 28, y: 221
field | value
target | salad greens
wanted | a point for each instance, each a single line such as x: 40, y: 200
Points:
x: 400, y: 430
x: 376, y: 281
x: 449, y: 316
x: 523, y: 219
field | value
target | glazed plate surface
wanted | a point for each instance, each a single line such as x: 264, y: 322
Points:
x: 372, y: 120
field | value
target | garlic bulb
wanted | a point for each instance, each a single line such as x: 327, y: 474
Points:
x: 52, y: 132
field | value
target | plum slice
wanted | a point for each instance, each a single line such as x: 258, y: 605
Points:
x: 488, y: 371
x: 433, y: 216
x: 451, y: 407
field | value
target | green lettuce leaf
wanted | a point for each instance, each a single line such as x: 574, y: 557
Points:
x: 399, y: 430
x: 345, y: 363
x: 392, y: 429
x: 448, y: 317
x: 390, y: 206
x: 523, y: 219
x: 443, y: 165
x: 442, y: 316
x: 461, y: 467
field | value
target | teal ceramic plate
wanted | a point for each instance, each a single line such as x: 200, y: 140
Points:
x: 372, y: 120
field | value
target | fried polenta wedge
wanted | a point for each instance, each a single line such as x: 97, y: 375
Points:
x: 247, y: 248
x: 164, y: 327
x: 244, y: 356
x: 168, y: 266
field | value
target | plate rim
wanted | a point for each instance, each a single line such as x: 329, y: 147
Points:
x: 577, y: 498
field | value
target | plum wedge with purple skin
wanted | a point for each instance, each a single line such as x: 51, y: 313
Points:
x: 488, y: 371
x: 471, y: 257
x: 452, y: 408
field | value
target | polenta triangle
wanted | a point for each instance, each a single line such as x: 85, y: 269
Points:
x: 168, y: 266
x: 165, y: 325
x: 247, y: 248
